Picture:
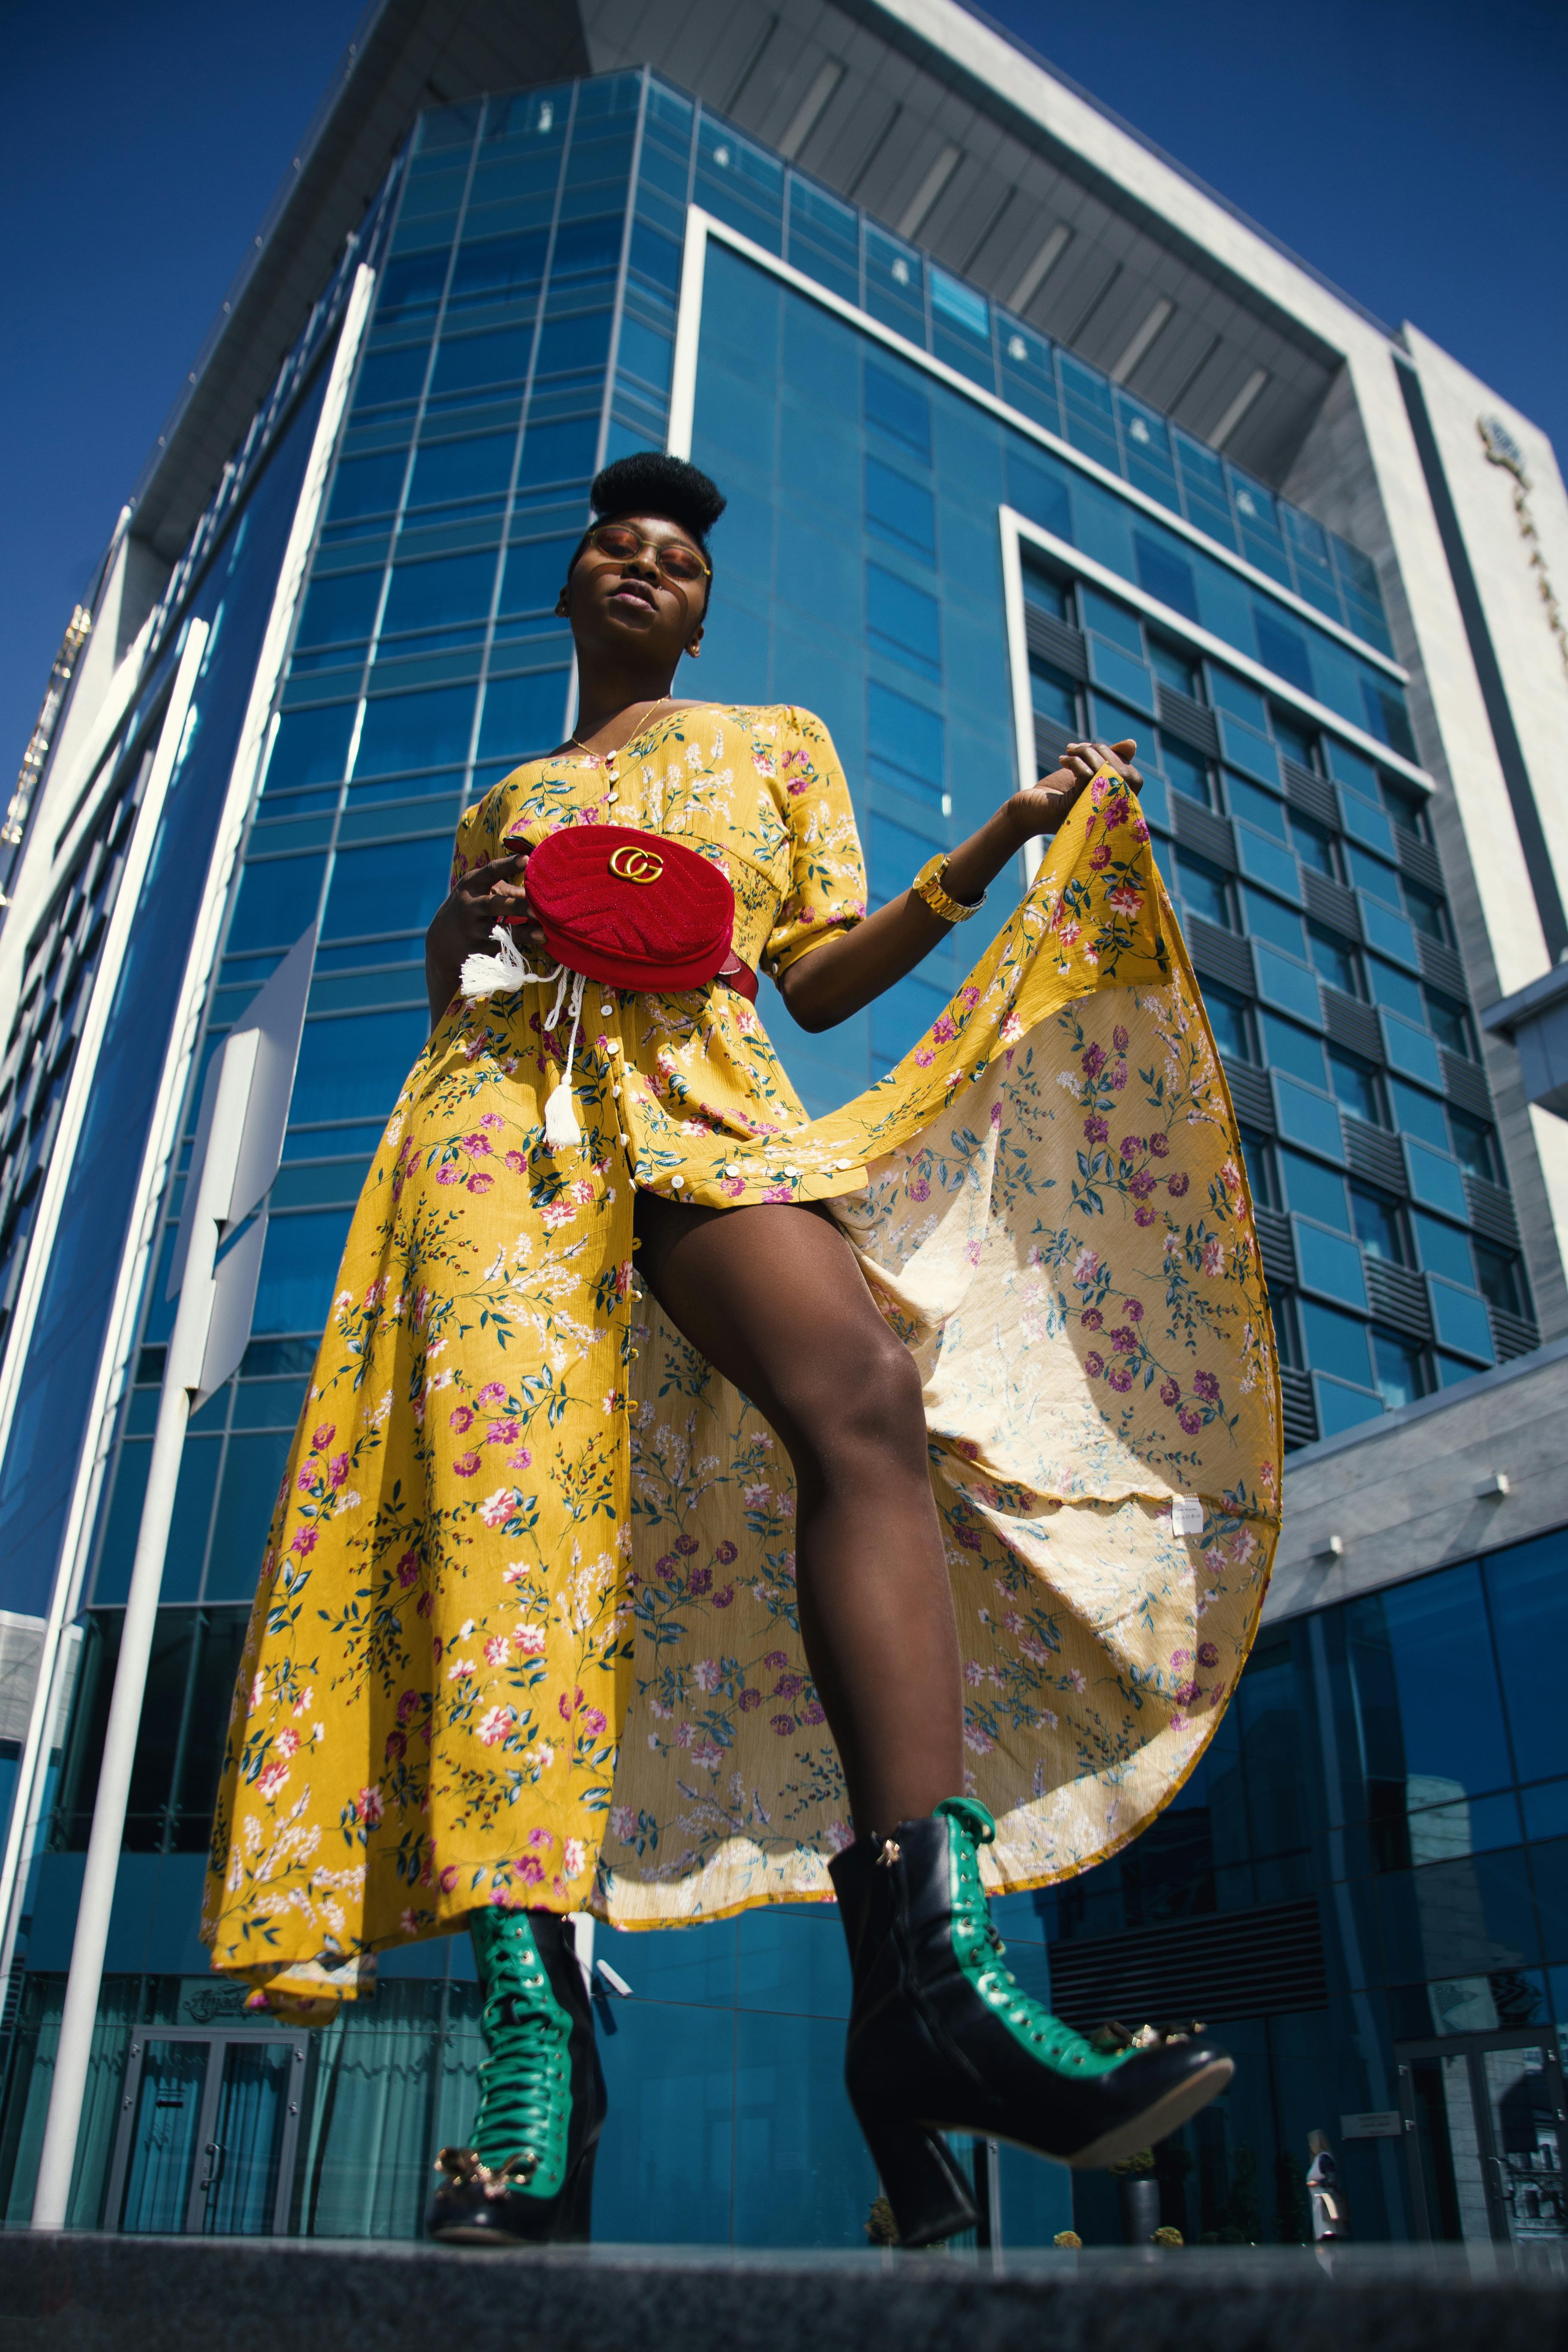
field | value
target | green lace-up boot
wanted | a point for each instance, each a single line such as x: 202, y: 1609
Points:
x: 529, y: 2172
x: 943, y: 2038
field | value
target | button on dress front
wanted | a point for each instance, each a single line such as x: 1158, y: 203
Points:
x: 526, y: 1630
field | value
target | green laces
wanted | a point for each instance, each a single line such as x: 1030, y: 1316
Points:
x: 979, y: 1950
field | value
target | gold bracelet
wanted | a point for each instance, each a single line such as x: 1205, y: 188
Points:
x: 928, y: 884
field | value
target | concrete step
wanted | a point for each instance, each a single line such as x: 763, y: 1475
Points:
x: 80, y: 2293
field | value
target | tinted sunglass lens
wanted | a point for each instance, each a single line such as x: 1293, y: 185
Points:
x: 621, y: 544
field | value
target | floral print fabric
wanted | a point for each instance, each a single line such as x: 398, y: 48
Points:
x: 526, y: 1630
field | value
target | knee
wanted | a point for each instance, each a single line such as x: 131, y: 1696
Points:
x: 864, y: 1404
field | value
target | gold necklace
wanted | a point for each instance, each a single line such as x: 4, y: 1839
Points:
x: 648, y: 714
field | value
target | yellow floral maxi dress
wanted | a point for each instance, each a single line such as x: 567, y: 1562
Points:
x: 526, y: 1629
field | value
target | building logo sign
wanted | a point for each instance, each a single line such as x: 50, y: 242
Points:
x: 1504, y: 450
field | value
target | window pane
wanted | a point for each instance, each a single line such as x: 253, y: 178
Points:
x: 899, y: 509
x: 904, y: 619
x: 1228, y: 1018
x: 1415, y: 1113
x: 414, y: 731
x: 299, y: 1256
x: 1259, y: 808
x: 1427, y: 912
x: 1331, y: 959
x: 1297, y: 742
x: 1429, y: 1704
x: 1055, y: 697
x: 1335, y: 1343
x: 311, y: 747
x: 1529, y: 1588
x: 906, y: 743
x: 895, y: 856
x: 1112, y: 620
x: 1186, y: 773
x: 895, y: 407
x: 1399, y: 1378
x: 1475, y: 1146
x: 1444, y: 1249
x: 351, y: 1069
x: 523, y: 716
x: 1354, y: 1085
x: 1258, y: 1153
x: 395, y: 886
x: 422, y: 596
x: 1049, y: 594
x: 535, y: 574
x: 278, y: 897
x: 1173, y: 669
x: 1498, y: 1280
x: 1450, y: 1023
x: 1314, y: 1191
x: 252, y: 1468
x: 367, y: 485
x: 1286, y: 1047
x: 462, y: 470
x: 1204, y: 888
x: 1314, y: 846
x: 1377, y: 1225
x: 1267, y: 919
x: 338, y: 610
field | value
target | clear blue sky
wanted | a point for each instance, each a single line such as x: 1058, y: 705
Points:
x: 1412, y: 150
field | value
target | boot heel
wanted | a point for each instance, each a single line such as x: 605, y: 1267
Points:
x: 922, y: 2184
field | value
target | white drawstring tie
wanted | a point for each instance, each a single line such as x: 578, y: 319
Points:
x: 488, y: 975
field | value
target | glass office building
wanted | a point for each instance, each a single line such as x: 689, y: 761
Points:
x: 961, y: 544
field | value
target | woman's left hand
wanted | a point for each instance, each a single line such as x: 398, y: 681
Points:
x: 1043, y: 806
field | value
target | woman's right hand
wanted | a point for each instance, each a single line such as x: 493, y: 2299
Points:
x: 487, y: 895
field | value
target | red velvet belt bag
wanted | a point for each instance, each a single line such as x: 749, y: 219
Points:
x: 634, y: 911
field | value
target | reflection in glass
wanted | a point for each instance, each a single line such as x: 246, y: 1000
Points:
x: 163, y: 2141
x: 247, y: 2138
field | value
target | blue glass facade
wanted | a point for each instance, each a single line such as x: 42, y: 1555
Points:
x: 883, y: 451
x: 1380, y: 1821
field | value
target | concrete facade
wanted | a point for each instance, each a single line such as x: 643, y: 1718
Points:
x: 1418, y: 1489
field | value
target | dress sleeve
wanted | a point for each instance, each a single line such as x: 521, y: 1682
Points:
x: 827, y: 884
x: 476, y: 843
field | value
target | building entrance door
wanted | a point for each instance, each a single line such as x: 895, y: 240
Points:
x: 1485, y: 2131
x: 207, y: 2128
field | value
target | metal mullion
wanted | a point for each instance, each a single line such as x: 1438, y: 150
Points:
x: 187, y: 1703
x: 629, y: 220
x: 421, y: 410
x: 288, y: 2138
x: 524, y: 418
x: 206, y: 2124
x: 120, y: 2164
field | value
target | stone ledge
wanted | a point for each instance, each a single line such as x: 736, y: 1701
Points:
x: 81, y: 2293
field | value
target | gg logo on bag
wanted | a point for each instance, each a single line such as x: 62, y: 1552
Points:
x: 636, y: 865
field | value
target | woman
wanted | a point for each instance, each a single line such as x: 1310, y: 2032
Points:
x: 545, y: 1620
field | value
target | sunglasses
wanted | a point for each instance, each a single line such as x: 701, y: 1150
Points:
x: 673, y: 558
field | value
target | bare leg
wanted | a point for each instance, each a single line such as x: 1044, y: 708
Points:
x: 774, y: 1298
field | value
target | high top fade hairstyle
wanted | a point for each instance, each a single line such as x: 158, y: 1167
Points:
x: 649, y: 483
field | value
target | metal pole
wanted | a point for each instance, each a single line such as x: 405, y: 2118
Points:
x: 182, y: 1378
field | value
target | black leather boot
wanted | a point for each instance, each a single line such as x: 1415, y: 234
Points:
x: 943, y: 2038
x: 529, y: 2176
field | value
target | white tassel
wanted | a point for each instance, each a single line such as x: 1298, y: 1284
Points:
x: 562, y: 1132
x: 488, y: 975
